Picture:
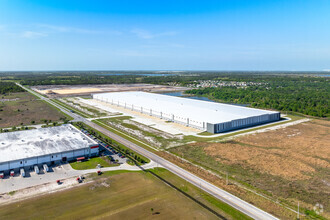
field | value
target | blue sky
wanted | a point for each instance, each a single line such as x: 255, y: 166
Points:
x: 164, y: 35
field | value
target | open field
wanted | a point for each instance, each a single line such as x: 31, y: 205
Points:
x: 122, y: 195
x: 67, y: 90
x: 290, y: 164
x: 23, y: 108
x: 92, y: 163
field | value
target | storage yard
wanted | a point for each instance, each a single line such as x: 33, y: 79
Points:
x: 206, y: 116
x: 31, y: 149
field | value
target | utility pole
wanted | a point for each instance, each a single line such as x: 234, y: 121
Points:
x: 227, y: 178
x: 298, y: 211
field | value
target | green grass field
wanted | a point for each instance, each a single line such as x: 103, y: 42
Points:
x: 92, y: 163
x: 124, y: 195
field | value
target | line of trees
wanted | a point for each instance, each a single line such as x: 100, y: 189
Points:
x: 9, y: 87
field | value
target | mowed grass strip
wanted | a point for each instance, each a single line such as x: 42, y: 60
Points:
x: 69, y: 108
x: 92, y: 163
x: 126, y: 136
x: 132, y: 195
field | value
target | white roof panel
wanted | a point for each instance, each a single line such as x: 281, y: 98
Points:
x: 31, y: 143
x: 203, y: 111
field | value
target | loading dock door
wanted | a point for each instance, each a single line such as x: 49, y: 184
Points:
x: 64, y: 159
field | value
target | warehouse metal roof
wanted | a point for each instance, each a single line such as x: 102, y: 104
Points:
x: 37, y: 142
x: 204, y: 111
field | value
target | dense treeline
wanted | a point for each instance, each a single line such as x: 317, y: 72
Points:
x: 8, y: 87
x: 110, y: 77
x: 306, y: 95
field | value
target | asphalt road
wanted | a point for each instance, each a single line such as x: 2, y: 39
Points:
x: 218, y: 193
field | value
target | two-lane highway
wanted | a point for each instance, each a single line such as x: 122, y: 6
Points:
x: 218, y: 193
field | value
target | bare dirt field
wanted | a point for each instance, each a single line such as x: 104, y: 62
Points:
x: 25, y: 108
x: 288, y: 164
x: 67, y: 90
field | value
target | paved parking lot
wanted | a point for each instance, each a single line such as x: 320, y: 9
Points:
x: 16, y: 182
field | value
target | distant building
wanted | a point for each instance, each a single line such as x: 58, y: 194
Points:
x: 25, y: 149
x: 206, y: 116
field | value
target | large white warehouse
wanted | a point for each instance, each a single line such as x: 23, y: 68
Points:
x: 25, y: 149
x: 207, y: 116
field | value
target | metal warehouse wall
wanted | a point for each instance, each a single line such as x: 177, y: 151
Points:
x: 242, y: 123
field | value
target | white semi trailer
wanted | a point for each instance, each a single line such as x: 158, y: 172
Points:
x: 46, y: 169
x: 36, y: 169
x: 22, y: 171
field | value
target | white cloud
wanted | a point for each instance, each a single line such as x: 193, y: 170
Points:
x: 33, y: 34
x: 66, y: 29
x: 144, y: 34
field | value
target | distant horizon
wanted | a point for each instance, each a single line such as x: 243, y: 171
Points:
x: 142, y: 70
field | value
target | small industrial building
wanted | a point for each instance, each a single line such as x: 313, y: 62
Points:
x: 25, y: 149
x: 203, y: 115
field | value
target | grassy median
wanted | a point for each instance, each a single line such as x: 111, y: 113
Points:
x: 92, y: 163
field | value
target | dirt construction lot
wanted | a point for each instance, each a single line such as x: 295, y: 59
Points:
x: 66, y: 90
x: 292, y: 163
